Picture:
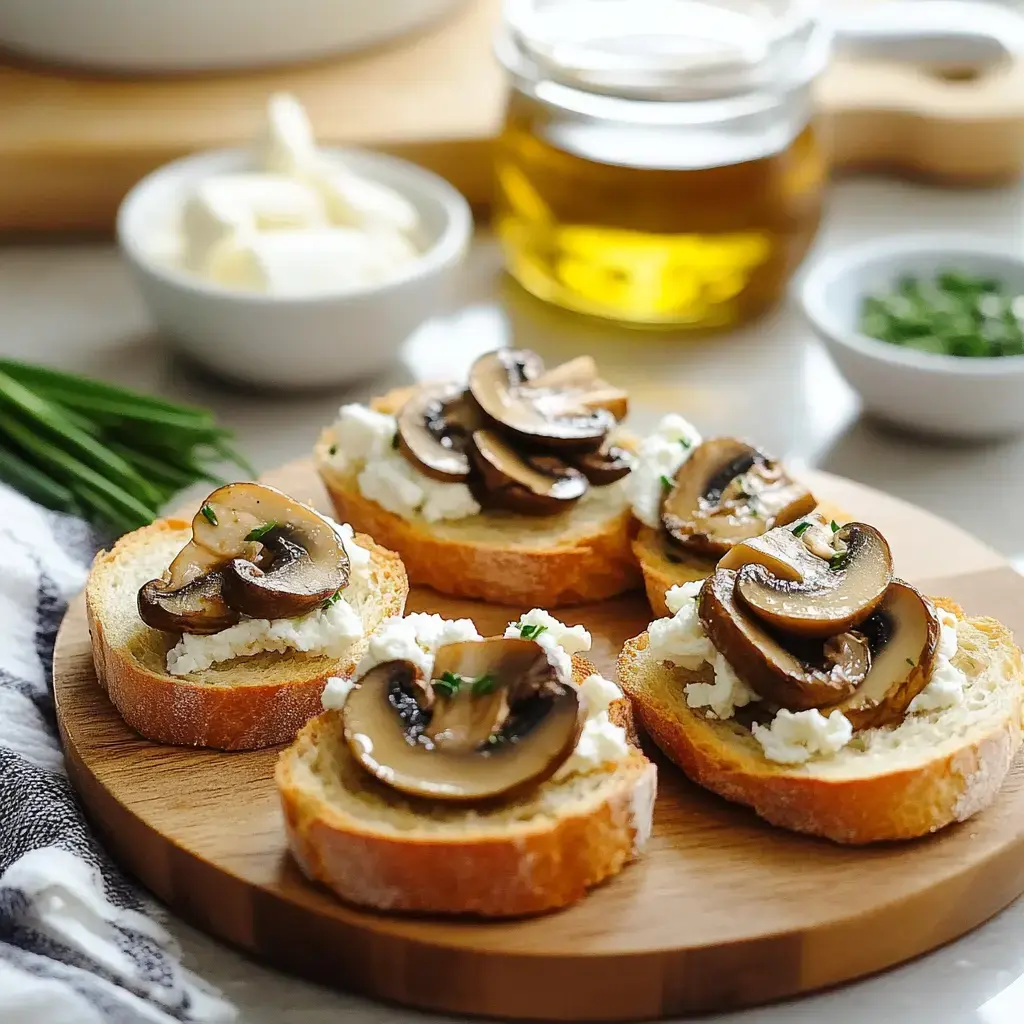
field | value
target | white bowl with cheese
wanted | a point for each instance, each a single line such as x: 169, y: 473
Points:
x: 247, y: 269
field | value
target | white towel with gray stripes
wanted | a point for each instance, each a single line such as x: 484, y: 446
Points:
x: 78, y: 944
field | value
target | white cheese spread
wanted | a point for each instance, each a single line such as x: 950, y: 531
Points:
x: 659, y: 458
x: 336, y: 691
x: 602, y: 741
x: 560, y: 641
x: 300, y: 223
x: 417, y: 637
x: 365, y: 444
x: 796, y: 737
x: 414, y: 638
x: 790, y: 738
x: 329, y: 631
x: 680, y: 640
x: 945, y: 689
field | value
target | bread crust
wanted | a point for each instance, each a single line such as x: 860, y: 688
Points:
x: 540, y: 865
x: 596, y: 565
x: 899, y: 804
x: 184, y: 712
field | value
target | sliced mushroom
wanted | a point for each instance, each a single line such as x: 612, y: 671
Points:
x: 196, y: 607
x: 532, y: 484
x: 504, y: 386
x: 184, y: 602
x: 791, y: 552
x: 903, y: 635
x: 797, y: 677
x: 254, y: 551
x: 727, y: 492
x: 605, y: 466
x: 433, y: 431
x: 501, y: 721
x: 580, y: 376
x: 833, y: 596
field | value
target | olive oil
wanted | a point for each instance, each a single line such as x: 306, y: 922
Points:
x: 654, y: 225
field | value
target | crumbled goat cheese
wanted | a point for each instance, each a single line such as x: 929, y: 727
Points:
x: 358, y: 557
x: 602, y: 741
x: 365, y: 444
x: 414, y: 638
x: 336, y: 691
x: 329, y: 631
x: 796, y: 737
x: 680, y: 640
x: 660, y: 455
x: 417, y: 637
x: 559, y: 640
x: 945, y: 689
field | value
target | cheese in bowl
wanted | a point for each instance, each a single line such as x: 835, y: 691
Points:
x: 285, y: 265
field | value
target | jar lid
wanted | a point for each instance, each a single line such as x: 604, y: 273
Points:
x: 665, y: 49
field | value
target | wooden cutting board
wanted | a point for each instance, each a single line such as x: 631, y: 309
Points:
x: 71, y: 146
x: 723, y: 910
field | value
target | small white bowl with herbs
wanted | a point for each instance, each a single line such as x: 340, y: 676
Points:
x: 928, y: 329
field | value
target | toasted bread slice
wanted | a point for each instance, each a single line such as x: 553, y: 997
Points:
x: 242, y: 704
x: 378, y: 848
x: 664, y: 568
x: 544, y: 562
x: 889, y: 783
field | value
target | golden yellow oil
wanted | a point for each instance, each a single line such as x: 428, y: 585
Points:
x: 616, y: 225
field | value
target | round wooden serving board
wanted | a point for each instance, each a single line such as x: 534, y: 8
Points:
x: 723, y: 911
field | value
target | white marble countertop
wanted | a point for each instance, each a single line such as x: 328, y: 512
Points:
x: 73, y: 305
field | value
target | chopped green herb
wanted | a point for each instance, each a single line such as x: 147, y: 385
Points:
x: 528, y: 632
x: 667, y: 482
x: 951, y: 313
x: 209, y: 515
x: 686, y: 443
x: 259, y: 532
x: 448, y: 684
x: 835, y: 527
x: 911, y: 663
x: 800, y: 529
x: 333, y: 599
x: 484, y: 685
x: 838, y: 560
x: 333, y: 450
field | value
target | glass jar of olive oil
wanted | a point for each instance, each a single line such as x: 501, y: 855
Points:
x: 658, y: 163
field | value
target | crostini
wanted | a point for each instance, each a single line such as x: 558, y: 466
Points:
x: 803, y: 680
x: 221, y: 632
x: 509, y: 487
x: 455, y: 774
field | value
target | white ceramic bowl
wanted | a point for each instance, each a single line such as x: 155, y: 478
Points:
x: 192, y: 35
x: 292, y: 342
x: 936, y: 394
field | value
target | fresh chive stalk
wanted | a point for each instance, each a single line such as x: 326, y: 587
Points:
x: 94, y: 449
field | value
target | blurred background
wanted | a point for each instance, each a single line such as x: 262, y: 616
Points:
x: 795, y: 222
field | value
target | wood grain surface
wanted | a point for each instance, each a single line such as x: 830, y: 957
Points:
x: 723, y: 911
x: 72, y: 146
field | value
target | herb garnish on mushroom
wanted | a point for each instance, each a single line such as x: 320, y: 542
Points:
x: 494, y: 719
x: 254, y: 551
x: 810, y: 617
